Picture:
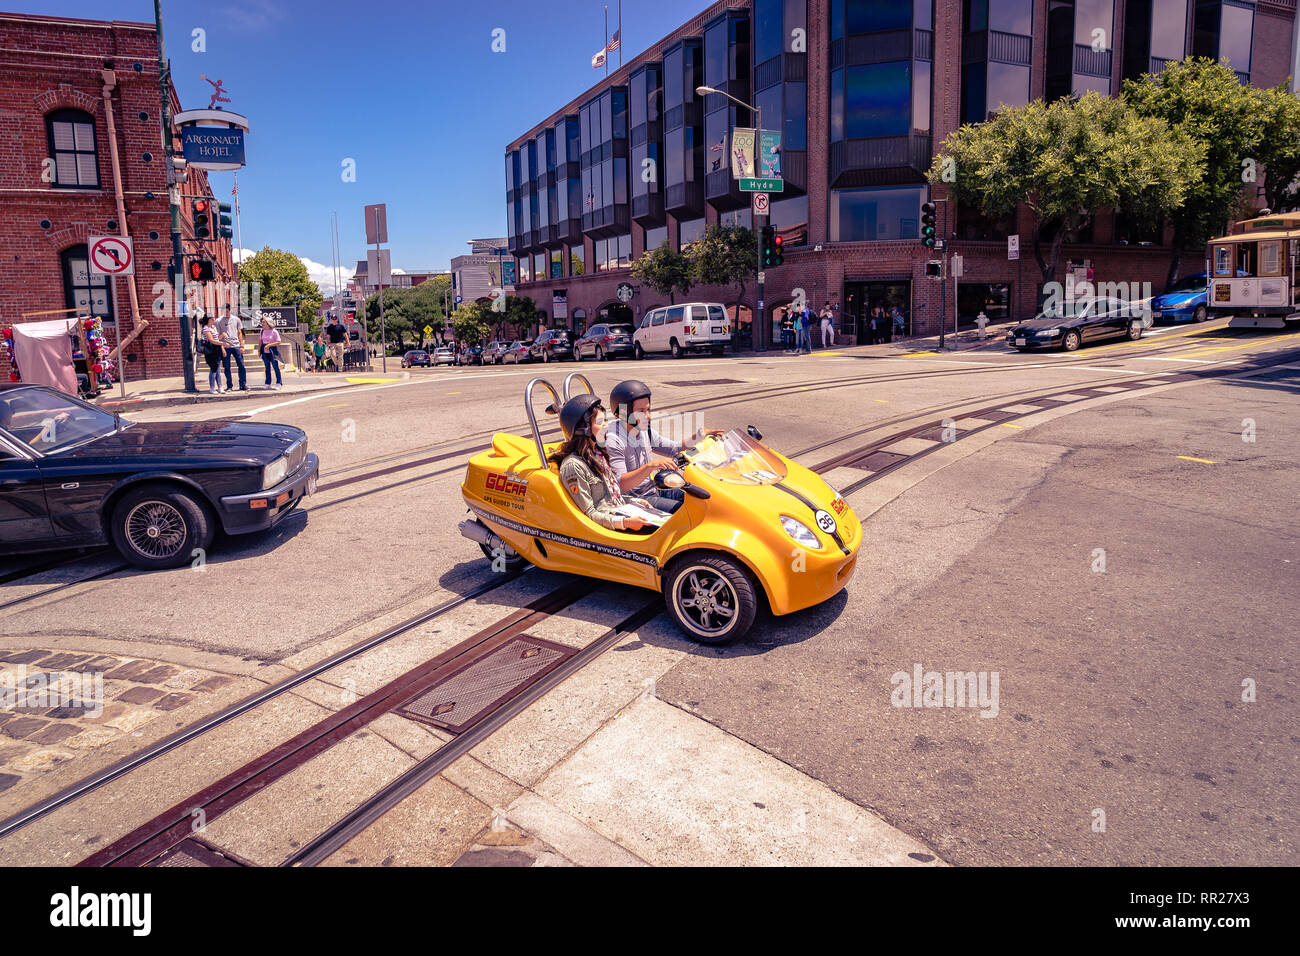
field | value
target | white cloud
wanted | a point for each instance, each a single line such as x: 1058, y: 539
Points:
x: 322, y: 273
x: 242, y: 254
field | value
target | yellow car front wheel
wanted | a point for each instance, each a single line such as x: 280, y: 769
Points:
x: 711, y: 597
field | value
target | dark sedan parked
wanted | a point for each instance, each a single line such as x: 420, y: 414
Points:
x: 416, y: 357
x: 604, y: 341
x: 518, y: 351
x: 551, y: 346
x: 73, y: 475
x: 470, y: 355
x: 1070, y: 324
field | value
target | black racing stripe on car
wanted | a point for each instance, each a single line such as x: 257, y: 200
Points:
x: 814, y: 509
x: 567, y: 539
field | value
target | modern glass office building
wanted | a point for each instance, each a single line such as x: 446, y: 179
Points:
x: 863, y: 92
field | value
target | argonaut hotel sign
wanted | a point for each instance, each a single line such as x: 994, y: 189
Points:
x: 212, y: 139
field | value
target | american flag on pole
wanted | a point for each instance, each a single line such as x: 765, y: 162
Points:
x: 591, y: 198
x: 234, y: 190
x: 614, y: 41
x: 719, y: 147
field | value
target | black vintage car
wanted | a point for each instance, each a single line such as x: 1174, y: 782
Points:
x: 73, y: 475
x: 1067, y: 325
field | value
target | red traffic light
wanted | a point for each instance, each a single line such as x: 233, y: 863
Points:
x: 200, y: 205
x: 201, y: 270
x: 778, y: 241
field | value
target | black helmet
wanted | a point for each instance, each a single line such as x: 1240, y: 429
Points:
x: 626, y: 393
x: 573, y: 416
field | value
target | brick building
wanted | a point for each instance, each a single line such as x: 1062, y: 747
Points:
x: 60, y: 81
x: 864, y: 93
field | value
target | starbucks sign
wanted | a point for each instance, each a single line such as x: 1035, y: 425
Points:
x: 625, y: 292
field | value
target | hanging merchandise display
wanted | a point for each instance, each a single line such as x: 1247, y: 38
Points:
x: 98, y: 350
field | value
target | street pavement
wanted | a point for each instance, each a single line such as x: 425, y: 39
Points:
x: 1123, y: 564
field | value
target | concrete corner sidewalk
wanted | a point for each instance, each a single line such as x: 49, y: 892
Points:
x: 160, y: 392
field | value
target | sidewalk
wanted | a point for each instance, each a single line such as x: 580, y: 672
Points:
x: 966, y: 340
x: 160, y: 392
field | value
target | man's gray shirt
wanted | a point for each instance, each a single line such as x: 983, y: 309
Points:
x: 630, y: 452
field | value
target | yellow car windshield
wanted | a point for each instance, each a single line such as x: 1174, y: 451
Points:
x: 737, y: 457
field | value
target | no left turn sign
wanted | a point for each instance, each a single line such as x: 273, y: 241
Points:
x: 111, y: 256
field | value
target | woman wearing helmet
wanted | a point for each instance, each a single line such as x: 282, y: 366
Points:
x: 584, y: 466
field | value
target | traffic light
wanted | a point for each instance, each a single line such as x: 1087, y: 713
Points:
x: 201, y: 270
x: 770, y: 248
x: 927, y: 225
x: 223, y: 220
x: 201, y: 210
x: 934, y: 269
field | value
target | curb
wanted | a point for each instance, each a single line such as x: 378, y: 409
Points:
x: 167, y: 399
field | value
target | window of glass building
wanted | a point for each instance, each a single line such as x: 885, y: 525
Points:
x: 715, y: 54
x: 1005, y: 16
x: 921, y: 96
x: 1168, y: 29
x: 624, y: 249
x: 525, y: 269
x: 675, y: 160
x: 837, y: 106
x: 1093, y: 22
x: 673, y: 76
x: 656, y: 237
x: 737, y: 217
x: 795, y: 117
x: 875, y: 16
x: 557, y: 263
x: 790, y: 217
x: 875, y: 214
x: 768, y: 29
x: 637, y: 100
x: 923, y: 14
x: 878, y: 100
x: 1007, y: 86
x: 575, y: 260
x: 690, y: 230
x: 539, y: 266
x: 1236, y: 29
x: 717, y: 126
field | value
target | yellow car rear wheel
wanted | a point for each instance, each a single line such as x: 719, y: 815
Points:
x: 712, y: 597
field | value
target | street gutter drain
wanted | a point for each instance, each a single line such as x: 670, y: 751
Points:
x: 192, y: 852
x: 460, y: 699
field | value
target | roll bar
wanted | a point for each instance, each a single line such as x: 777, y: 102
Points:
x: 569, y: 378
x: 532, y: 419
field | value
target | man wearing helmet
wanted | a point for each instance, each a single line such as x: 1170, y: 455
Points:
x: 636, y: 451
x: 585, y: 468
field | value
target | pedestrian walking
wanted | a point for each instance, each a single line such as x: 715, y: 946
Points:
x: 268, y: 347
x: 900, y: 320
x: 787, y: 329
x: 318, y: 349
x: 885, y: 326
x: 805, y: 331
x: 337, y: 335
x: 212, y: 352
x: 232, y: 337
x: 828, y: 326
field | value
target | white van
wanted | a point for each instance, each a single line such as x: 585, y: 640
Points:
x: 677, y: 329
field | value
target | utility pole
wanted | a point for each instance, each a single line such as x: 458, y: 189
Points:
x: 174, y: 194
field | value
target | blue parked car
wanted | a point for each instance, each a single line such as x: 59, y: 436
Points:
x: 1184, y: 301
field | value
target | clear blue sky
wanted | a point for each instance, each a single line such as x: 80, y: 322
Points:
x: 412, y: 91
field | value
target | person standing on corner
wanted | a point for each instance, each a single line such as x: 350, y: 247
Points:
x: 232, y: 337
x: 337, y: 335
x: 212, y: 352
x: 268, y: 347
x: 828, y: 326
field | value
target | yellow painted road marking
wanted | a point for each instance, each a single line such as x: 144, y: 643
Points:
x: 1009, y: 425
x: 827, y: 353
x: 341, y: 405
x: 1203, y: 461
x: 373, y: 381
x: 883, y: 401
x: 452, y: 393
x: 915, y: 354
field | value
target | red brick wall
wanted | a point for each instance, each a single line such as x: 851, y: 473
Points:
x: 49, y: 63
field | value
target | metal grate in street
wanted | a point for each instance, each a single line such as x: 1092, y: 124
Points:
x: 456, y: 702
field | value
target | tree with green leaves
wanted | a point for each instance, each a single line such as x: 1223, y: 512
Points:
x: 1065, y: 160
x: 726, y: 255
x: 1278, y: 150
x: 470, y: 324
x: 1205, y: 101
x: 664, y: 270
x: 515, y: 318
x: 397, y: 325
x: 283, y: 280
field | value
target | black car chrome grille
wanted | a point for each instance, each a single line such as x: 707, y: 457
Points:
x: 296, y: 454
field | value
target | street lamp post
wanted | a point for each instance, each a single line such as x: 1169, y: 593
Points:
x: 759, y: 336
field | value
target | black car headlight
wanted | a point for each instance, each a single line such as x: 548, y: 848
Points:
x: 1046, y: 333
x: 273, y: 473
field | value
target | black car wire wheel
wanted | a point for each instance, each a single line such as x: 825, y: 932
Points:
x: 711, y: 598
x: 156, y: 529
